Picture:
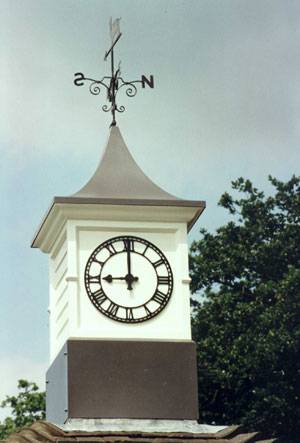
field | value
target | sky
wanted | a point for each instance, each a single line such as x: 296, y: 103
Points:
x: 226, y: 104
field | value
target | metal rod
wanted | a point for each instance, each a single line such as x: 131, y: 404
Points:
x: 112, y: 47
x: 113, y: 96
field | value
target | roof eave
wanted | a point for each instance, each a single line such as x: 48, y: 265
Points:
x: 55, y: 216
x: 131, y: 202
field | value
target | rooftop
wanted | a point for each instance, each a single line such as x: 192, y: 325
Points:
x: 119, y: 180
x: 46, y: 432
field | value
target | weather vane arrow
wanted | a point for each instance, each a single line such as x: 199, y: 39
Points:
x: 115, y: 82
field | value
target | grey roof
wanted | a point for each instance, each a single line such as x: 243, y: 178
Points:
x: 119, y: 180
x: 119, y: 176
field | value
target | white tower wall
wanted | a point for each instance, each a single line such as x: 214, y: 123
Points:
x: 72, y: 314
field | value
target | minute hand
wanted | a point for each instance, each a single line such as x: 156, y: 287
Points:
x: 128, y: 257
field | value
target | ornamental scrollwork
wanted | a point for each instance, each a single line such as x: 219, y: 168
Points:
x: 114, y: 83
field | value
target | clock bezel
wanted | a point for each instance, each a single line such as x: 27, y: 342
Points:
x: 112, y: 315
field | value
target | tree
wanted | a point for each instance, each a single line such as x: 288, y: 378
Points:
x: 246, y: 324
x: 27, y: 407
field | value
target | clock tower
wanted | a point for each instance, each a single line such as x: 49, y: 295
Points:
x: 120, y: 330
x: 120, y: 333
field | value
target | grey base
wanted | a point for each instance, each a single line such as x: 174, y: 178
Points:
x: 103, y: 379
x: 126, y: 425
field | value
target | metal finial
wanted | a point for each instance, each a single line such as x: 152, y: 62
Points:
x: 115, y: 82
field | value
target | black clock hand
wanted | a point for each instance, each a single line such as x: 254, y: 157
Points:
x: 128, y: 262
x: 129, y: 277
x: 109, y: 278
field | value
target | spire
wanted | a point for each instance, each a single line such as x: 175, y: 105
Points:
x: 117, y: 182
x: 118, y: 176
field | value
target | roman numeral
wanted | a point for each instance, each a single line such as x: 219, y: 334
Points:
x: 112, y: 309
x: 128, y: 245
x: 99, y: 296
x: 163, y: 280
x: 129, y: 314
x: 158, y: 263
x: 101, y: 263
x: 93, y: 278
x: 111, y: 249
x: 148, y: 312
x: 145, y: 250
x: 159, y: 297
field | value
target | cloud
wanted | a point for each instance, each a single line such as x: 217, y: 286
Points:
x: 14, y: 369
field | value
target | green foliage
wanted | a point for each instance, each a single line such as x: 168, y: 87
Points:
x: 247, y: 325
x: 27, y: 407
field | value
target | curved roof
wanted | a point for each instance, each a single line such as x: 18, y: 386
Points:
x: 118, y: 176
x: 119, y: 181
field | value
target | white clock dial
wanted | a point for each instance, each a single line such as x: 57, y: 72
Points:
x: 128, y: 279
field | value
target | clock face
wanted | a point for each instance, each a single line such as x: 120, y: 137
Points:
x: 128, y: 279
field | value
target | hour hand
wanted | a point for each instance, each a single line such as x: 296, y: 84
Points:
x: 129, y: 278
x: 109, y: 278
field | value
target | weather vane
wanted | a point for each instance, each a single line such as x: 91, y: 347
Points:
x: 115, y: 82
